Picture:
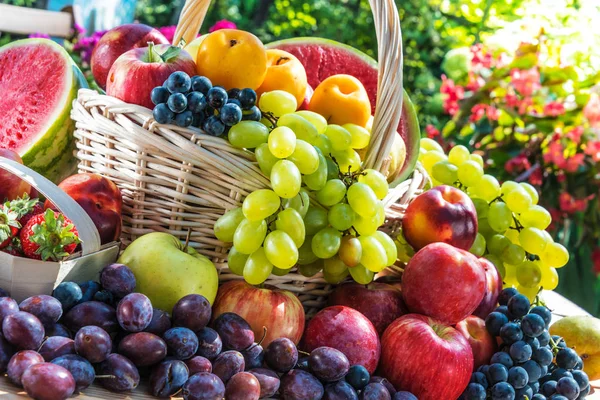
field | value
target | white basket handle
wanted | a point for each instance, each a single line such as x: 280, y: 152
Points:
x: 90, y: 238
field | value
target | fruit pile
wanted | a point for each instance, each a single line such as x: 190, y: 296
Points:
x: 530, y: 362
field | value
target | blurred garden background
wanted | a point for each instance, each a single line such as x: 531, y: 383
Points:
x: 517, y: 80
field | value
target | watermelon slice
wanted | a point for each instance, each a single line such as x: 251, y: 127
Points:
x: 38, y: 83
x: 322, y: 58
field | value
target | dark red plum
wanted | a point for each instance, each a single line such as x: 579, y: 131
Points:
x: 192, y: 311
x: 160, y: 322
x: 328, y: 364
x: 81, y: 369
x: 46, y: 308
x: 91, y: 313
x: 181, y: 342
x: 209, y: 343
x: 203, y: 386
x: 118, y: 279
x: 124, y: 376
x: 268, y: 379
x: 254, y: 356
x: 93, y: 343
x: 300, y: 385
x: 20, y: 362
x: 198, y: 364
x: 56, y: 346
x: 234, y: 331
x: 58, y: 330
x: 47, y: 381
x: 6, y: 352
x: 388, y: 385
x: 23, y: 330
x: 281, y: 355
x: 340, y: 390
x: 8, y: 306
x: 167, y: 378
x: 375, y: 391
x: 227, y: 364
x: 143, y: 348
x: 134, y: 312
x: 242, y: 386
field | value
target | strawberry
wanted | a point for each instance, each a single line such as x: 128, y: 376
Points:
x: 14, y: 248
x: 49, y: 236
x: 25, y: 208
x: 9, y: 226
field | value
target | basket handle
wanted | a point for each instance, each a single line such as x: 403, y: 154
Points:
x: 90, y: 238
x: 190, y: 20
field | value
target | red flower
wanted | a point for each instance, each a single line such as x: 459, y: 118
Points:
x: 432, y: 131
x: 570, y: 204
x: 591, y: 111
x: 512, y: 100
x: 536, y: 177
x: 492, y: 113
x: 222, y: 24
x: 575, y: 134
x: 452, y: 94
x: 596, y: 260
x: 525, y: 81
x: 481, y: 57
x: 517, y: 164
x: 592, y: 149
x: 554, y: 109
x: 477, y: 112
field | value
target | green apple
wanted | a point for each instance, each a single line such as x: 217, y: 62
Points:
x: 165, y: 270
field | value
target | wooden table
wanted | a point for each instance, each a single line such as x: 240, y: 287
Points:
x: 560, y: 306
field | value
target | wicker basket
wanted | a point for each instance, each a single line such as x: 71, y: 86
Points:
x: 175, y: 179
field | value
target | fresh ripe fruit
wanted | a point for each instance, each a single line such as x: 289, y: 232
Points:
x: 91, y: 313
x: 342, y: 99
x: 227, y: 364
x: 243, y: 386
x: 46, y: 381
x: 20, y: 362
x: 81, y: 369
x: 281, y: 355
x: 54, y: 238
x: 203, y: 386
x: 168, y: 377
x: 46, y: 308
x: 118, y: 279
x: 125, y: 375
x: 192, y: 311
x: 269, y: 381
x: 56, y: 346
x: 234, y: 331
x: 298, y: 384
x: 284, y: 72
x: 23, y: 330
x: 160, y: 323
x: 89, y: 290
x: 7, y: 307
x: 134, y: 312
x: 93, y: 343
x: 12, y: 186
x: 68, y: 294
x: 209, y: 343
x: 328, y: 364
x: 233, y: 59
x: 6, y: 352
x: 25, y: 208
x: 143, y: 348
x: 182, y: 343
x: 198, y: 364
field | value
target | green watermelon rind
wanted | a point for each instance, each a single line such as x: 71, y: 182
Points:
x: 51, y: 152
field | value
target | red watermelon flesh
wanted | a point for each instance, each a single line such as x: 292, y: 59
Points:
x: 323, y: 58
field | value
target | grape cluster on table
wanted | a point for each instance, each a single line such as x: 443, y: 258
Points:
x: 531, y: 364
x: 193, y: 101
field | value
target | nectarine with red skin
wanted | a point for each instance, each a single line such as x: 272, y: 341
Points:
x: 482, y: 343
x: 492, y: 289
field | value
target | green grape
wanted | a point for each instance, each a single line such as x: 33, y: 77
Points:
x: 535, y: 217
x: 348, y: 160
x: 535, y: 197
x: 513, y: 236
x: 359, y: 136
x: 318, y: 179
x: 281, y: 249
x: 326, y: 243
x: 499, y: 216
x: 477, y: 158
x: 530, y: 293
x: 361, y: 275
x: 376, y: 181
x: 404, y: 251
x: 257, y: 268
x: 350, y: 251
x: 340, y: 138
x: 431, y: 158
x: 388, y: 245
x: 488, y: 188
x: 323, y: 143
x: 431, y: 145
x: 280, y: 272
x: 368, y: 225
x: 227, y: 224
x: 518, y: 200
x: 478, y: 247
x: 334, y: 266
x: 362, y: 199
x: 303, y: 129
x: 469, y: 173
x: 305, y: 253
x: 508, y: 186
x: 248, y: 134
x: 277, y: 102
x: 335, y: 279
x: 299, y: 202
x: 497, y: 263
x: 236, y: 261
x: 332, y: 193
x: 265, y: 158
x: 305, y: 157
x: 548, y: 236
x: 458, y: 155
x: 374, y: 257
x: 483, y: 226
x: 249, y: 236
x: 260, y: 204
x: 290, y: 221
x: 333, y: 171
x: 497, y: 243
x: 314, y: 118
x: 311, y: 269
x: 282, y: 142
x: 286, y: 179
x: 445, y: 172
x: 555, y: 255
x: 549, y: 278
x: 315, y: 220
x: 510, y: 276
x: 533, y: 240
x: 341, y: 216
x: 482, y: 207
x: 529, y: 274
x: 513, y: 254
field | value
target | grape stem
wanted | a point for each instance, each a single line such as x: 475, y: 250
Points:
x: 271, y: 118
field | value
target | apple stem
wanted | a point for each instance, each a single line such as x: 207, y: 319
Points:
x: 187, y: 239
x: 153, y: 56
x: 263, y: 336
x: 303, y: 353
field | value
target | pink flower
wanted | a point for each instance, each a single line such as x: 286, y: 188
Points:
x: 572, y: 163
x: 432, y: 131
x: 168, y: 31
x: 591, y: 111
x: 525, y: 81
x: 575, y: 134
x: 452, y: 94
x: 478, y: 112
x: 525, y: 105
x: 475, y: 82
x: 517, y: 164
x: 492, y: 113
x: 511, y: 100
x: 554, y: 109
x: 592, y: 149
x: 481, y: 56
x: 222, y: 24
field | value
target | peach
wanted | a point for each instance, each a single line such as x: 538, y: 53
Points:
x: 284, y: 72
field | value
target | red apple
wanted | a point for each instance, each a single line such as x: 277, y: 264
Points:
x: 492, y: 289
x: 118, y: 41
x: 442, y: 214
x: 347, y: 330
x: 482, y: 343
x: 443, y: 282
x: 431, y: 360
x: 100, y: 198
x: 135, y: 73
x: 379, y: 302
x: 11, y: 186
x: 278, y: 310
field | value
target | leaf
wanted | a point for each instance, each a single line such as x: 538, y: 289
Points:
x: 170, y: 53
x: 449, y: 128
x: 526, y: 61
x: 558, y: 75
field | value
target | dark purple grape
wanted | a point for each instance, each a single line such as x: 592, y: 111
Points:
x: 57, y: 330
x: 124, y: 376
x: 358, y: 377
x: 198, y: 364
x: 203, y: 386
x: 89, y: 290
x: 134, y: 312
x: 328, y: 364
x: 160, y: 322
x: 143, y: 348
x: 8, y: 306
x: 404, y: 396
x: 340, y: 390
x: 91, y: 313
x: 227, y: 364
x: 568, y: 387
x: 281, y: 355
x: 234, y: 331
x: 68, y: 293
x: 388, y: 385
x: 566, y: 358
x: 543, y: 312
x: 269, y: 381
x: 23, y: 330
x: 247, y: 98
x: 300, y: 385
x: 201, y: 84
x: 506, y: 294
x: 81, y: 369
x: 242, y: 386
x: 6, y: 352
x: 192, y: 311
x: 20, y: 362
x: 167, y: 378
x: 47, y: 381
x: 254, y: 356
x: 93, y: 343
x: 519, y: 305
x: 56, y: 346
x: 181, y: 342
x: 4, y: 293
x: 209, y: 343
x: 118, y: 279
